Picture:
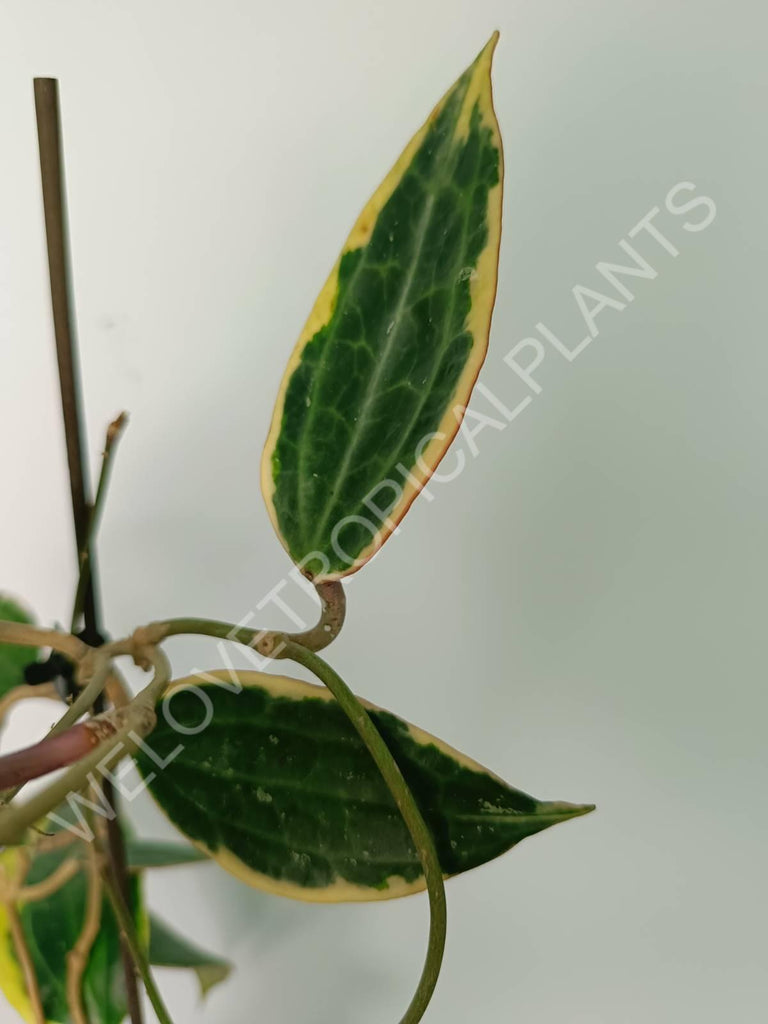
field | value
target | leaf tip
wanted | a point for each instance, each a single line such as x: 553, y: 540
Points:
x: 563, y: 811
x: 486, y: 54
x: 211, y: 975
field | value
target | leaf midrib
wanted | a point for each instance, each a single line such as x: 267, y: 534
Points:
x: 457, y: 96
x: 371, y: 390
x: 447, y: 319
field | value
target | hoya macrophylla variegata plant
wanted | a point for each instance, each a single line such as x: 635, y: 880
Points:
x: 301, y: 790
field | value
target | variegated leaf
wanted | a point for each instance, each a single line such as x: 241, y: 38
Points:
x: 377, y: 385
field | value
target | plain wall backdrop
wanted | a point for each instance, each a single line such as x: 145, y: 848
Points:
x: 582, y: 609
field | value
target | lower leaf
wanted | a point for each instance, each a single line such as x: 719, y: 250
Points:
x: 168, y: 949
x: 280, y: 790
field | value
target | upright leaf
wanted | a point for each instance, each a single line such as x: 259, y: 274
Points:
x: 13, y: 657
x: 376, y: 387
x: 168, y: 949
x: 280, y: 790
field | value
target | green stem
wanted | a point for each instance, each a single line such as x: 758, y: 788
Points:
x: 114, y: 431
x: 128, y: 930
x: 420, y: 834
x: 206, y: 627
x: 333, y: 608
x: 85, y: 699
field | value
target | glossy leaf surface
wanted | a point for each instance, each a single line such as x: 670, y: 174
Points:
x: 168, y: 949
x: 280, y: 790
x: 13, y: 658
x: 376, y: 387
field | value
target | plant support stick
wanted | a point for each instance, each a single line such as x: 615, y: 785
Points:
x: 54, y: 204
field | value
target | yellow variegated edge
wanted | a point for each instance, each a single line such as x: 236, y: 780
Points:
x: 483, y: 285
x: 12, y: 982
x: 341, y: 891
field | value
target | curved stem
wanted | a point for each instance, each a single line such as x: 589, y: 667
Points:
x: 283, y: 645
x: 52, y: 883
x: 25, y: 692
x: 420, y: 834
x: 333, y: 605
x: 157, y: 631
x: 333, y: 608
x: 86, y: 698
x: 32, y: 636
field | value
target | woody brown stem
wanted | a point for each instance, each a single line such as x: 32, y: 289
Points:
x: 55, y: 209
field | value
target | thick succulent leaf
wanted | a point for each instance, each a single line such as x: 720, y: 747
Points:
x: 168, y: 949
x: 153, y: 853
x: 280, y: 790
x: 13, y: 658
x: 375, y: 389
x: 51, y: 927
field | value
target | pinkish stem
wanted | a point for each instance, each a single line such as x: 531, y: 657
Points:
x: 49, y: 754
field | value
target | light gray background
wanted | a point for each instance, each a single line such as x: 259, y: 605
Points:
x: 583, y: 609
